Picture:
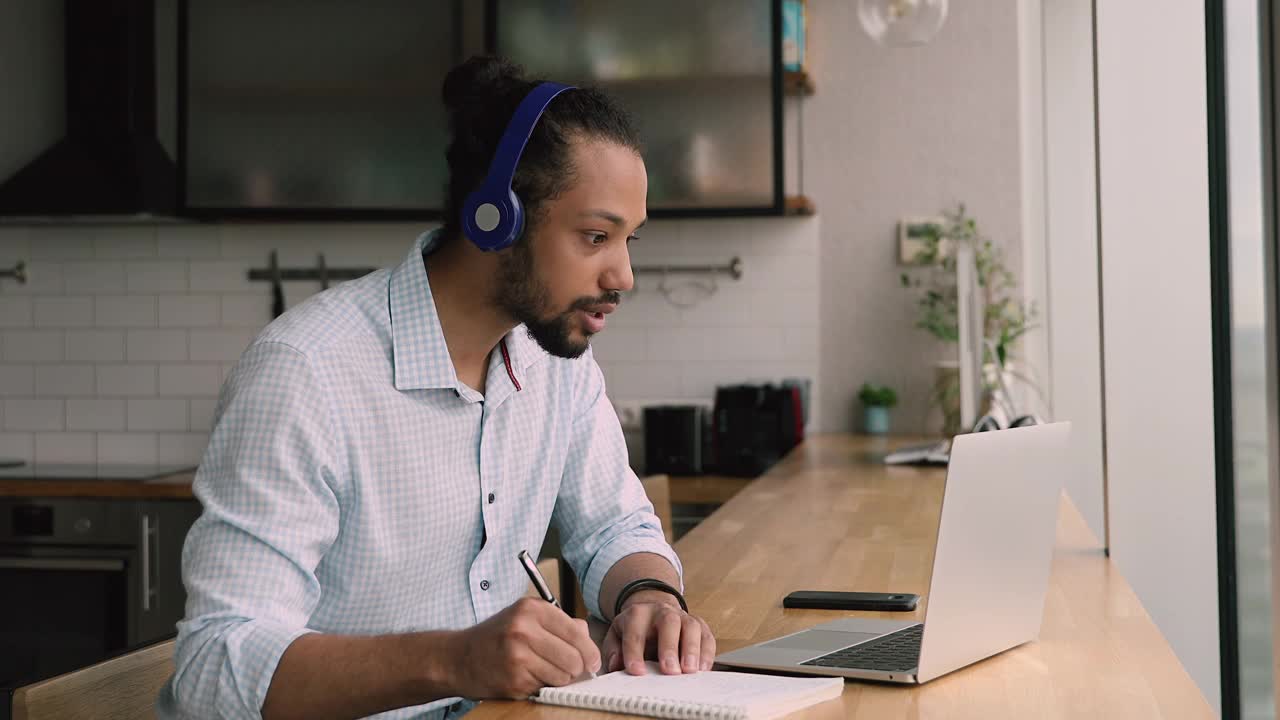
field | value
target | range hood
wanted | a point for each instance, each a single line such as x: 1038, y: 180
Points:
x: 110, y: 164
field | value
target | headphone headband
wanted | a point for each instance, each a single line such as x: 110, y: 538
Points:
x: 492, y: 216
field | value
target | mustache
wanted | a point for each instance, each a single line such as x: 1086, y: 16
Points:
x: 612, y: 297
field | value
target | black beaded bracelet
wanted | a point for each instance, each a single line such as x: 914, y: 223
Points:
x: 647, y: 584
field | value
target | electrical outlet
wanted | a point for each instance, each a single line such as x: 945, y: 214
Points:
x: 630, y: 414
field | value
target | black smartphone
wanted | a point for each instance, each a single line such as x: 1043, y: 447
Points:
x: 827, y: 600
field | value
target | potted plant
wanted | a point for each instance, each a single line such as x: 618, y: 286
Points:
x: 1006, y: 316
x: 876, y: 401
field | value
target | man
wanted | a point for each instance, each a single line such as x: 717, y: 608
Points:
x: 385, y: 450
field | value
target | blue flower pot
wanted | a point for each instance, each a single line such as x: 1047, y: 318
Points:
x: 875, y: 419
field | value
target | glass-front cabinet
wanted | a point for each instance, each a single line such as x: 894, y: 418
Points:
x: 311, y: 107
x: 330, y: 109
x: 702, y: 79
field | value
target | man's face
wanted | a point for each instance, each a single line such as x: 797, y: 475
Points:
x: 568, y: 273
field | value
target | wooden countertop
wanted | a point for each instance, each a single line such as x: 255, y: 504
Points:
x: 175, y: 486
x: 830, y: 516
x: 706, y: 489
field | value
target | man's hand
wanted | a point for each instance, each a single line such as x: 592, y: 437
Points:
x: 652, y: 624
x: 530, y: 645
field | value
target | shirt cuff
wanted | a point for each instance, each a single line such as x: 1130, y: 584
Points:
x: 615, y: 550
x: 254, y: 650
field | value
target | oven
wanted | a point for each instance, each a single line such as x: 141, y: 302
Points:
x: 82, y: 580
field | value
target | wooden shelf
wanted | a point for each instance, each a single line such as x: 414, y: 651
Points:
x: 797, y: 83
x: 800, y: 205
x: 689, y: 81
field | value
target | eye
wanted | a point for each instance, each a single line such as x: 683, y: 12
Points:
x: 597, y: 238
x: 632, y: 237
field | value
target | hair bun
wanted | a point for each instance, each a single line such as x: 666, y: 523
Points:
x: 482, y: 76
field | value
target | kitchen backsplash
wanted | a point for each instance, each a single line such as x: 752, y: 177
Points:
x: 116, y: 347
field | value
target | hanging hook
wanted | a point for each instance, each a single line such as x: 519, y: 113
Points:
x: 19, y: 272
x: 277, y: 289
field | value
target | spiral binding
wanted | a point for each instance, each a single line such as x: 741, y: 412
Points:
x: 643, y: 705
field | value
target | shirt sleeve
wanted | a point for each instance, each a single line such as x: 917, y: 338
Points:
x: 602, y: 512
x: 270, y: 513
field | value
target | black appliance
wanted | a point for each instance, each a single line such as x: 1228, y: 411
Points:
x: 86, y: 578
x: 755, y: 426
x: 674, y: 437
x: 110, y: 161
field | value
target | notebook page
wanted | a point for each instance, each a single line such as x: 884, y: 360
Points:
x: 756, y: 695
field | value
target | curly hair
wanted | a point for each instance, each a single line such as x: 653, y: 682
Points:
x: 481, y: 95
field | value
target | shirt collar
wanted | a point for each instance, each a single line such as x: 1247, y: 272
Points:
x: 418, y: 350
x: 419, y: 353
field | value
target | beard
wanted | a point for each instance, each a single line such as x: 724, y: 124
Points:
x: 527, y: 299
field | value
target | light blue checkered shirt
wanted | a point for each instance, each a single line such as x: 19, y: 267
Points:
x: 354, y: 485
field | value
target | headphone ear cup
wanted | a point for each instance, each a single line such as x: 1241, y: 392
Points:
x: 490, y: 221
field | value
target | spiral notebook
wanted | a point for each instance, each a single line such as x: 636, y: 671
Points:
x: 711, y: 694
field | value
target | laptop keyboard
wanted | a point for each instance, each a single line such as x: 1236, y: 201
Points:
x: 896, y: 652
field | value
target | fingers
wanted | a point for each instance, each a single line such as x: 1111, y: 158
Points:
x: 708, y: 646
x: 633, y: 629
x: 690, y: 644
x: 611, y: 650
x: 684, y: 643
x: 580, y: 639
x: 559, y: 641
x: 669, y: 626
x: 574, y: 632
x: 547, y: 672
x: 528, y: 638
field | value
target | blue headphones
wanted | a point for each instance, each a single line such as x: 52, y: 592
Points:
x: 492, y: 216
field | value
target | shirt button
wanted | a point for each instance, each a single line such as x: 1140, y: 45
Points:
x: 484, y: 584
x: 491, y: 498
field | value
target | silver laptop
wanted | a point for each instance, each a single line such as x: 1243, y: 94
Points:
x: 990, y: 571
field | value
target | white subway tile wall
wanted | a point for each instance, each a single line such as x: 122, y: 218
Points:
x: 17, y: 380
x: 122, y: 311
x: 127, y: 448
x: 157, y: 414
x: 117, y: 347
x: 97, y: 414
x: 60, y: 447
x: 95, y: 346
x: 94, y: 278
x: 15, y: 312
x: 189, y: 311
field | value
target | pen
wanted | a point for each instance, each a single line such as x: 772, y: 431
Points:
x: 540, y: 583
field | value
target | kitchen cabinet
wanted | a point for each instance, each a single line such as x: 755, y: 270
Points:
x: 91, y: 566
x: 703, y: 80
x: 315, y: 109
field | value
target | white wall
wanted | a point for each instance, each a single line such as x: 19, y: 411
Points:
x: 894, y: 132
x: 115, y: 349
x: 1156, y: 322
x: 1030, y: 387
x: 1071, y: 212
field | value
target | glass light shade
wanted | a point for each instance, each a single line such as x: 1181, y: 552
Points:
x: 902, y: 23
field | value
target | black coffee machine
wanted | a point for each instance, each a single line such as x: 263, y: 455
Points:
x: 676, y: 439
x: 754, y: 426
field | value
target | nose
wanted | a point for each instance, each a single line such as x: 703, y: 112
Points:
x: 617, y: 274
